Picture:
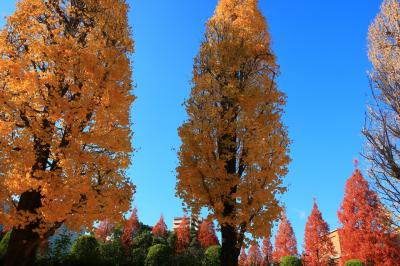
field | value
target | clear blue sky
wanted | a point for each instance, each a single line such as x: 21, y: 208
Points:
x: 322, y: 50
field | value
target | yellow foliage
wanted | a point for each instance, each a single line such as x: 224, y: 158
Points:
x: 234, y: 151
x: 65, y: 93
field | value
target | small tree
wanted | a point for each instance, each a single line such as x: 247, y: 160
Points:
x: 243, y: 258
x: 131, y: 228
x: 354, y: 263
x: 206, y: 235
x: 366, y: 233
x: 104, y: 232
x: 318, y: 247
x: 291, y: 261
x: 212, y: 256
x: 182, y: 236
x: 158, y: 255
x: 285, y: 240
x: 160, y: 229
x: 85, y: 251
x: 267, y: 252
x: 254, y: 257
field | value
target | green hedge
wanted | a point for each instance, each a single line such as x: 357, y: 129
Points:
x: 354, y: 262
x: 290, y: 261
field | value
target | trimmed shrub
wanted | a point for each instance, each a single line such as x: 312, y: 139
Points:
x: 4, y: 244
x: 212, y: 256
x: 290, y: 261
x: 113, y: 253
x: 158, y: 255
x: 85, y: 251
x: 354, y: 262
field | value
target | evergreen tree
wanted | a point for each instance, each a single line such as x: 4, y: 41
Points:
x: 318, y: 247
x: 366, y: 233
x: 285, y: 240
x: 206, y: 234
x: 160, y: 229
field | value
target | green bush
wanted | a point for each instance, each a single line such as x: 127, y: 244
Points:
x: 85, y: 251
x: 138, y: 256
x: 4, y: 244
x: 113, y: 253
x: 158, y: 255
x: 290, y: 261
x: 212, y: 256
x: 354, y: 263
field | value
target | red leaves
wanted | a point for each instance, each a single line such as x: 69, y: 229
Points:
x: 254, y: 256
x: 182, y: 236
x: 130, y: 229
x: 318, y: 247
x: 206, y: 235
x: 105, y: 231
x: 366, y: 231
x: 285, y: 241
x: 160, y: 229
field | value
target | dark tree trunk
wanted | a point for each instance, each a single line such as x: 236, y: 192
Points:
x: 23, y: 243
x: 230, y: 250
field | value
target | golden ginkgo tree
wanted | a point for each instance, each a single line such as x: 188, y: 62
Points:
x: 65, y: 96
x: 234, y: 151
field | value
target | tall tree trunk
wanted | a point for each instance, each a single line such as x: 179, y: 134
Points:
x: 230, y: 250
x: 24, y: 242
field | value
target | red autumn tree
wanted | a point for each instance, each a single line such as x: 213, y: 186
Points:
x: 105, y: 231
x: 267, y: 252
x: 243, y: 258
x: 182, y: 236
x: 160, y: 229
x: 285, y: 240
x: 254, y: 257
x: 366, y: 233
x: 318, y: 247
x: 130, y: 229
x: 206, y: 235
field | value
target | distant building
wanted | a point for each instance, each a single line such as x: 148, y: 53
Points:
x: 335, y: 238
x: 193, y: 221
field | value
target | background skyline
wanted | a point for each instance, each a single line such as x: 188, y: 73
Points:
x: 322, y: 50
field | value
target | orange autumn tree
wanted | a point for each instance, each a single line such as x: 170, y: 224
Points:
x: 234, y: 151
x: 206, y: 235
x: 160, y: 229
x: 65, y: 142
x: 285, y: 240
x: 130, y: 229
x: 243, y: 258
x: 366, y: 232
x: 254, y: 257
x: 267, y: 252
x: 182, y: 236
x: 104, y: 231
x: 318, y: 247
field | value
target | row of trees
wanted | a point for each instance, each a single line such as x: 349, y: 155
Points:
x: 65, y: 142
x: 366, y: 233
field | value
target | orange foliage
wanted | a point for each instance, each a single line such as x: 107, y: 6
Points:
x: 160, y: 229
x: 243, y: 258
x: 318, y: 247
x: 285, y: 240
x: 366, y: 233
x: 206, y: 235
x: 182, y: 236
x: 104, y: 231
x: 267, y: 252
x: 130, y: 229
x: 254, y: 257
x: 234, y: 151
x: 65, y: 93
